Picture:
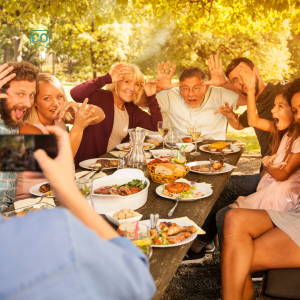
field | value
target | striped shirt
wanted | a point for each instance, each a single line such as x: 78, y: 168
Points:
x: 8, y: 180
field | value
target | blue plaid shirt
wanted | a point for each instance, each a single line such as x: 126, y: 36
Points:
x: 8, y: 180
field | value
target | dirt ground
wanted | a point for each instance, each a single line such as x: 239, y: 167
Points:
x: 247, y: 166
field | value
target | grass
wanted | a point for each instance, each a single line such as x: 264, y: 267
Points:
x: 252, y: 145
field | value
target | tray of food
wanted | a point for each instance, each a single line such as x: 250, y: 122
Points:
x: 206, y: 168
x: 126, y: 146
x: 219, y: 148
x: 41, y: 189
x: 171, y: 234
x: 184, y: 190
x: 109, y: 163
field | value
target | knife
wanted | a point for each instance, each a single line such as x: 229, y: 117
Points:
x: 98, y: 171
x: 156, y: 217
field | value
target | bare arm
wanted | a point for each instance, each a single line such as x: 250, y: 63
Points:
x: 30, y: 129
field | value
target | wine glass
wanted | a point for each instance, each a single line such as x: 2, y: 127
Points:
x: 163, y: 129
x: 172, y: 138
x: 140, y: 237
x: 195, y: 130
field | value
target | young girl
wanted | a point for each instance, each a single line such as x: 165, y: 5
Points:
x: 280, y: 185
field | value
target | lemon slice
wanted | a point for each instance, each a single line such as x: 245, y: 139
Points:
x: 142, y: 242
x: 178, y: 161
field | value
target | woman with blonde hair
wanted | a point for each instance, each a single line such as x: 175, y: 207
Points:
x: 49, y: 102
x: 125, y: 85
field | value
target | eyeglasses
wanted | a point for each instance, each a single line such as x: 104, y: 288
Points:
x: 195, y: 89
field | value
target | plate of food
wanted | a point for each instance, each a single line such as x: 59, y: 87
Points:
x: 206, y: 168
x: 126, y: 146
x: 219, y: 148
x: 171, y: 234
x: 109, y: 163
x: 161, y: 154
x: 41, y: 189
x: 188, y: 139
x: 182, y: 188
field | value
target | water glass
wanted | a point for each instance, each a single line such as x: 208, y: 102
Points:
x: 85, y: 186
x: 141, y: 237
x: 163, y: 128
x: 178, y: 156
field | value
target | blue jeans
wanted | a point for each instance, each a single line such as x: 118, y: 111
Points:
x: 242, y: 185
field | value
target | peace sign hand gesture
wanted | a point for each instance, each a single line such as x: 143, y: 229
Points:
x: 164, y: 77
x: 118, y: 71
x: 216, y: 72
x: 3, y: 79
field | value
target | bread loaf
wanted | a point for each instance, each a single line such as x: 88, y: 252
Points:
x: 155, y: 142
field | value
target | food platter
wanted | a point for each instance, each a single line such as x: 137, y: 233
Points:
x: 234, y: 149
x: 85, y: 164
x: 161, y: 152
x: 199, y: 188
x: 226, y: 169
x: 185, y: 241
x: 34, y: 190
x: 126, y: 145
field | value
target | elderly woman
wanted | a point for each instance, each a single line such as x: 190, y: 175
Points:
x: 50, y: 100
x: 125, y: 87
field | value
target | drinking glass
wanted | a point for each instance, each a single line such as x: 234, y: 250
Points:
x: 195, y: 130
x: 172, y: 138
x: 163, y: 128
x: 178, y: 156
x: 143, y: 240
x: 85, y: 186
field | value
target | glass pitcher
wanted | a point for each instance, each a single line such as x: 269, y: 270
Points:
x: 136, y: 158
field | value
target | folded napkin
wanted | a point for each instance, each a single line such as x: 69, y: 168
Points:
x: 78, y: 174
x: 190, y: 222
x: 207, y: 184
x: 31, y: 201
x: 118, y: 153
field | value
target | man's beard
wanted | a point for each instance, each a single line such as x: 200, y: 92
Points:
x: 6, y: 114
x: 256, y: 87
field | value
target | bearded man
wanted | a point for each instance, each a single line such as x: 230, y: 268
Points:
x: 18, y: 87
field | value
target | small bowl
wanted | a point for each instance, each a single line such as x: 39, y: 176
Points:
x: 189, y: 147
x: 116, y: 222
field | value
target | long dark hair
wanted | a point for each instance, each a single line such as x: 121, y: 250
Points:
x: 294, y: 128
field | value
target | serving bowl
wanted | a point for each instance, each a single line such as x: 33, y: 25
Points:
x: 189, y: 146
x: 116, y: 222
x: 107, y: 203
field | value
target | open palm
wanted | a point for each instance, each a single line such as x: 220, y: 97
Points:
x: 217, y: 77
x: 164, y: 77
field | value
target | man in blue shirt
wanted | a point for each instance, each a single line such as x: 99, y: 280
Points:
x: 69, y: 253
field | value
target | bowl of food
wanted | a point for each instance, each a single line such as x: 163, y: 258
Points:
x: 123, y: 215
x: 124, y: 188
x: 166, y: 172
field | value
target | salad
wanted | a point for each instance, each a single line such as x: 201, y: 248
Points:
x: 184, y: 194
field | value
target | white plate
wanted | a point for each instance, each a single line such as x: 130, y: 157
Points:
x: 200, y: 188
x: 120, y: 147
x: 234, y: 148
x: 116, y: 222
x: 161, y: 152
x: 227, y: 168
x: 183, y: 136
x: 86, y: 163
x: 34, y: 190
x: 185, y: 241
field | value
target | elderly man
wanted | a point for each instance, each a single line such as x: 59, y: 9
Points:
x: 17, y: 97
x: 195, y: 98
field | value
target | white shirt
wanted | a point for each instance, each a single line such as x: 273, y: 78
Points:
x: 178, y: 112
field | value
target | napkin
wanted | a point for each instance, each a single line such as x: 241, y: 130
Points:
x: 117, y: 153
x: 190, y: 222
x: 78, y: 174
x: 207, y: 184
x: 32, y: 201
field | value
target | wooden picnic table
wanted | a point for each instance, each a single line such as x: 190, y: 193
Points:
x: 165, y: 261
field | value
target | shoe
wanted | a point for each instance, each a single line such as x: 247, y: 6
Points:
x: 192, y: 257
x: 210, y: 247
x: 257, y: 276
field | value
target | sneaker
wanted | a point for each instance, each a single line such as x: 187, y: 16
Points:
x: 210, y: 247
x: 192, y: 257
x: 258, y: 276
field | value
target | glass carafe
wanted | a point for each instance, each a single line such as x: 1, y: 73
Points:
x: 136, y: 158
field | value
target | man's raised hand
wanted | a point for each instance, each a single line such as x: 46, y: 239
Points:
x: 217, y: 77
x: 4, y: 79
x: 226, y: 111
x: 164, y: 77
x: 247, y: 78
x: 118, y: 71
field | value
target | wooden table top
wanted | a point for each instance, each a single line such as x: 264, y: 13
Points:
x: 165, y: 261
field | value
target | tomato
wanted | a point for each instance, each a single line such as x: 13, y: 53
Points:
x: 157, y: 241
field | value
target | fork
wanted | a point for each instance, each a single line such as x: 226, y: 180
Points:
x: 194, y: 181
x: 33, y: 204
x: 172, y: 210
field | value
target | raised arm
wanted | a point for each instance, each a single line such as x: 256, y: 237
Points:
x: 253, y: 119
x: 218, y: 78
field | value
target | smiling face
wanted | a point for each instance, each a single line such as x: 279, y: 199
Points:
x: 128, y: 89
x: 282, y: 113
x: 47, y: 101
x: 237, y: 82
x: 296, y: 107
x: 16, y: 108
x: 192, y: 91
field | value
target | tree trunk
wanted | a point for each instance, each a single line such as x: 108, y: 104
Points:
x: 6, y: 54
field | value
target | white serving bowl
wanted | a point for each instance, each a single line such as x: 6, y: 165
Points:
x: 189, y: 147
x: 107, y: 203
x: 116, y: 222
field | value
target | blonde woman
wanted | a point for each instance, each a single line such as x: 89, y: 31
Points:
x: 125, y: 85
x: 49, y: 100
